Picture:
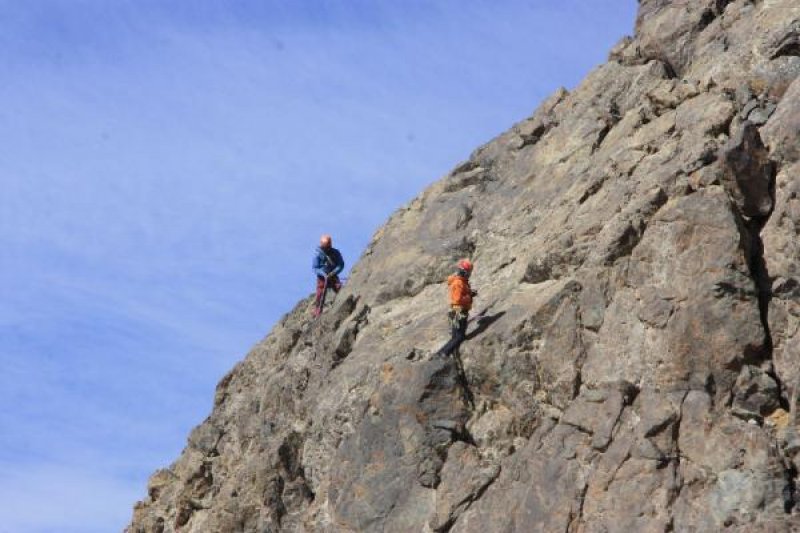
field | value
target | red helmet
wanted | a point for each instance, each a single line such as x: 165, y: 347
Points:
x: 465, y: 265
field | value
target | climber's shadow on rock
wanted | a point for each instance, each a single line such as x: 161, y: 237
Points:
x: 484, y: 322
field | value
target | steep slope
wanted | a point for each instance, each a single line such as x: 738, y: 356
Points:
x: 637, y: 369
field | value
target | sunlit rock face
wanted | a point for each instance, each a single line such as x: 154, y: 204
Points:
x: 636, y: 364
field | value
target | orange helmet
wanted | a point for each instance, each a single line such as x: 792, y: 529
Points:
x: 325, y: 241
x: 465, y: 265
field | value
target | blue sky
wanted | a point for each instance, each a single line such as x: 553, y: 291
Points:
x: 166, y: 170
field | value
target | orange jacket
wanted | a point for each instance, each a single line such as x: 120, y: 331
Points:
x: 460, y: 292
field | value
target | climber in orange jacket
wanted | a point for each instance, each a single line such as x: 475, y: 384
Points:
x: 460, y: 304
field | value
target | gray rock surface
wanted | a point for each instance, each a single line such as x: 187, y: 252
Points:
x: 638, y: 364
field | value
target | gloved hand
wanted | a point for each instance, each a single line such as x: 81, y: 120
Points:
x: 331, y: 275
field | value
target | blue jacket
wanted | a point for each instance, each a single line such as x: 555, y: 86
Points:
x: 325, y: 263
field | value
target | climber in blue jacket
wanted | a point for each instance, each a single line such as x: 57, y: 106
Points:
x: 327, y: 265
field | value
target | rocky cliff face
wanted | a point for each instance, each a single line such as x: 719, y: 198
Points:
x: 638, y: 363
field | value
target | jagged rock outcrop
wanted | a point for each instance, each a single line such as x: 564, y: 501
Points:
x: 638, y: 364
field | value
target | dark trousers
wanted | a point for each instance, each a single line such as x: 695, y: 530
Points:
x: 333, y: 283
x: 458, y: 331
